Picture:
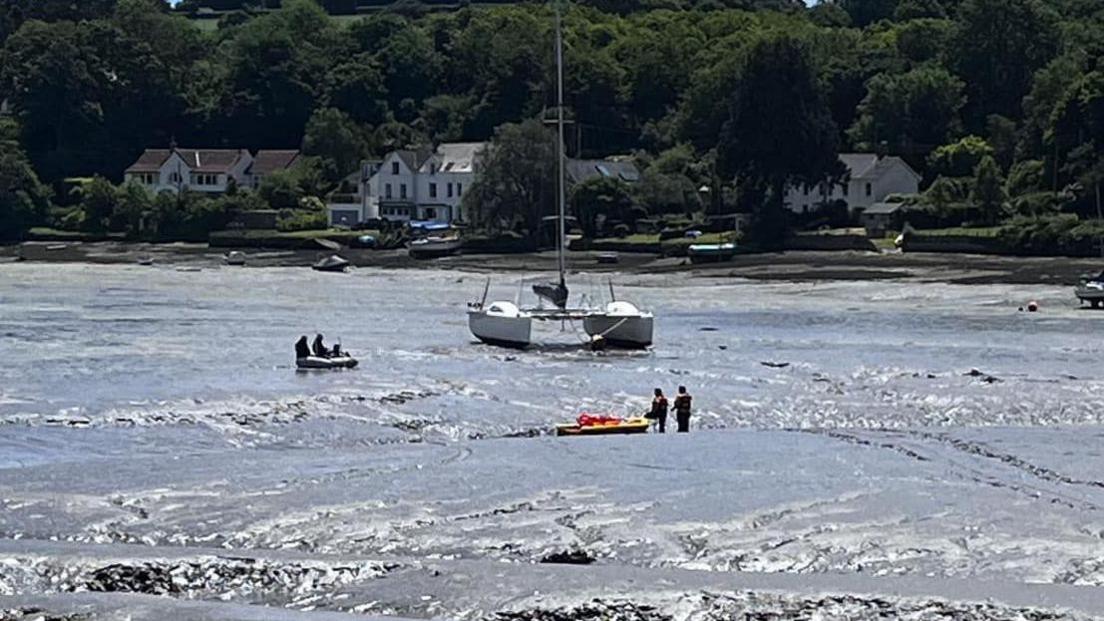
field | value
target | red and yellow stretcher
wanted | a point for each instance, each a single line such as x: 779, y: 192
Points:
x: 598, y: 425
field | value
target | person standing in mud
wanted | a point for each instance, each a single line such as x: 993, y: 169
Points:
x: 659, y: 410
x: 682, y: 410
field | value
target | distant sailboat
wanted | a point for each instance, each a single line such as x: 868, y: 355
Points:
x: 507, y: 324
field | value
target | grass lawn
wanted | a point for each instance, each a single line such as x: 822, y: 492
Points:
x: 983, y: 231
x: 48, y: 234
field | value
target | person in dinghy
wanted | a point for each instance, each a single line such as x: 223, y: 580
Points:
x: 318, y: 356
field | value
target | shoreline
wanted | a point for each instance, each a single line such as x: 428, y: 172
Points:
x: 781, y: 266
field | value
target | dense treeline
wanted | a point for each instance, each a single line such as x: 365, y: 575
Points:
x: 999, y: 103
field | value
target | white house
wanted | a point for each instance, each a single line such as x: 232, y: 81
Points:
x: 199, y: 170
x: 409, y: 185
x: 355, y: 200
x: 206, y: 170
x: 424, y: 184
x: 870, y: 179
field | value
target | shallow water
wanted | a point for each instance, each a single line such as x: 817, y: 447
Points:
x: 151, y: 345
x: 160, y: 409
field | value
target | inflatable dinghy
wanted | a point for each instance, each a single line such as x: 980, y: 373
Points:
x: 317, y: 362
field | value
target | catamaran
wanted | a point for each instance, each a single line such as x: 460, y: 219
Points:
x: 619, y: 323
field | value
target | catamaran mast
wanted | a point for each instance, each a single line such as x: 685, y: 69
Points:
x: 561, y: 199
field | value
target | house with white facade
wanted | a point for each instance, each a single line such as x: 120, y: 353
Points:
x: 408, y: 184
x: 206, y: 170
x: 870, y: 179
x: 355, y: 201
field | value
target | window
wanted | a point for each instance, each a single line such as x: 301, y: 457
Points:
x: 431, y: 214
x: 394, y: 168
x: 448, y: 190
x: 869, y: 189
x: 402, y: 190
x: 459, y: 188
x: 387, y: 191
x: 174, y: 178
x: 433, y: 190
x: 147, y: 178
x: 806, y: 190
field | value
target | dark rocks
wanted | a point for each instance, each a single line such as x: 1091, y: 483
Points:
x: 984, y: 377
x: 569, y: 557
x: 148, y: 579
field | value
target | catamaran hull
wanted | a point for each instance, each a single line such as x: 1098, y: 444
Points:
x: 633, y: 332
x: 501, y: 331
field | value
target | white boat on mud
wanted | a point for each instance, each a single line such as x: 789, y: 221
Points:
x: 434, y: 246
x: 234, y: 257
x: 508, y: 324
x: 1091, y: 290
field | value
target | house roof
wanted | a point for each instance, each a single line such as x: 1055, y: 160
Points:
x: 198, y: 160
x: 870, y: 166
x: 270, y: 161
x: 413, y: 158
x: 581, y: 170
x: 455, y: 157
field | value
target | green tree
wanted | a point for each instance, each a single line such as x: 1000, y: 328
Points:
x: 516, y: 186
x: 988, y: 190
x: 999, y: 44
x: 23, y: 199
x: 779, y: 130
x: 337, y: 141
x: 959, y: 159
x: 133, y: 206
x: 98, y: 202
x: 865, y: 12
x: 356, y: 88
x: 910, y: 113
x: 919, y: 9
x: 600, y: 197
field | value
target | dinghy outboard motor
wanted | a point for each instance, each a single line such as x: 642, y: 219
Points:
x: 556, y: 293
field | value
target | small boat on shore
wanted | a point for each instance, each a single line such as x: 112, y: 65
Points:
x: 234, y: 257
x: 608, y: 258
x: 434, y: 246
x: 344, y: 361
x: 332, y: 263
x: 1091, y: 290
x: 711, y: 253
x: 146, y: 260
x: 590, y: 425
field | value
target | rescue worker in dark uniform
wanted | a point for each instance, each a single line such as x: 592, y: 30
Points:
x: 302, y: 349
x: 659, y: 410
x: 682, y: 410
x: 320, y: 348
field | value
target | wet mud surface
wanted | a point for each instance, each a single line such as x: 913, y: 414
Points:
x: 860, y: 449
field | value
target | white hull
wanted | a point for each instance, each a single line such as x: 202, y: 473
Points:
x: 623, y: 331
x: 500, y: 329
x: 430, y: 247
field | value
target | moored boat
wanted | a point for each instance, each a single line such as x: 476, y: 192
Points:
x: 502, y: 324
x: 234, y: 257
x: 434, y: 246
x: 711, y: 253
x: 622, y: 325
x: 332, y: 263
x: 1091, y: 290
